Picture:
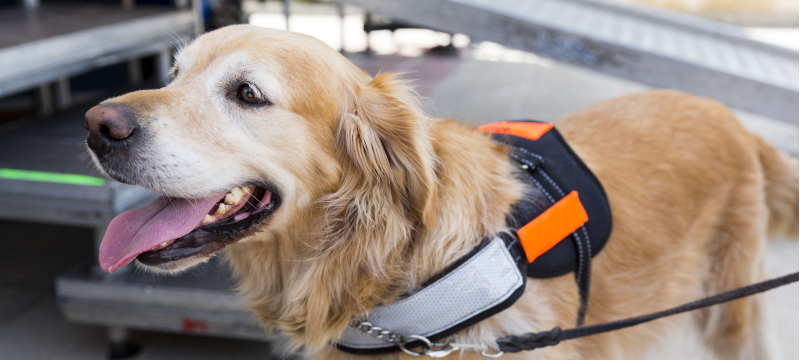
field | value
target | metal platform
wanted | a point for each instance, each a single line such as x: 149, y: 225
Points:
x: 41, y: 160
x: 46, y: 174
x: 57, y: 41
x: 197, y: 302
x: 654, y: 47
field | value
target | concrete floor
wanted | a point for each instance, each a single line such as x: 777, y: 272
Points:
x: 475, y: 91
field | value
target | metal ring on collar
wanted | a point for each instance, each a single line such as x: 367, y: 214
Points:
x: 426, y: 344
x: 442, y: 351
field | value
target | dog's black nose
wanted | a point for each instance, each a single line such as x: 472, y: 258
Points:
x: 109, y: 126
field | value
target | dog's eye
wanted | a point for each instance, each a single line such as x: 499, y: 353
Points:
x: 249, y: 95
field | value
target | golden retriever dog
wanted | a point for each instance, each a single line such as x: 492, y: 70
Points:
x: 332, y: 192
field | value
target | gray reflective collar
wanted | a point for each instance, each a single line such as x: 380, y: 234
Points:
x: 486, y: 281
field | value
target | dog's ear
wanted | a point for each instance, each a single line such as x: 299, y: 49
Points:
x: 384, y: 137
x: 386, y: 196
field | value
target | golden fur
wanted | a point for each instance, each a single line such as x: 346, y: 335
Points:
x: 378, y: 197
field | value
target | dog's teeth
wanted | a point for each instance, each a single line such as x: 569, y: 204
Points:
x: 234, y: 196
x: 207, y: 219
x: 222, y: 209
x: 160, y: 246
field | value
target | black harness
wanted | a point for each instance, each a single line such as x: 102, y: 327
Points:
x: 550, y: 165
x: 553, y: 171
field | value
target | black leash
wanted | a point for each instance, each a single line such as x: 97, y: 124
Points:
x: 533, y: 341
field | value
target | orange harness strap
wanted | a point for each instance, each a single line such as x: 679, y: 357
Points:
x: 528, y: 130
x: 552, y: 226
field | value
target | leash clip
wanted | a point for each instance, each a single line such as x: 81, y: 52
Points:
x: 429, y: 349
x: 496, y: 354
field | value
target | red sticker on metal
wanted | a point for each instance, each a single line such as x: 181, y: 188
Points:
x: 194, y: 325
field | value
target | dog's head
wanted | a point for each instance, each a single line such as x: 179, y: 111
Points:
x: 258, y: 129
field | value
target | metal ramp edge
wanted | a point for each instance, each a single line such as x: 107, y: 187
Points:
x: 26, y: 65
x: 653, y: 47
x: 185, y: 305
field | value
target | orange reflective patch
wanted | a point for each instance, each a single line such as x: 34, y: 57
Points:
x: 528, y: 130
x: 552, y: 226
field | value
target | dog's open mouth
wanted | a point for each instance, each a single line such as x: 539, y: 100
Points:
x: 172, y: 229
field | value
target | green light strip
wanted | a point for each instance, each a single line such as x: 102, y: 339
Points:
x: 42, y: 176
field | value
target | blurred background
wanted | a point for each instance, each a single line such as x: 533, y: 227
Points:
x: 475, y: 60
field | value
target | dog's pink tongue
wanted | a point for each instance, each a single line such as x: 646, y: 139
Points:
x: 136, y: 231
